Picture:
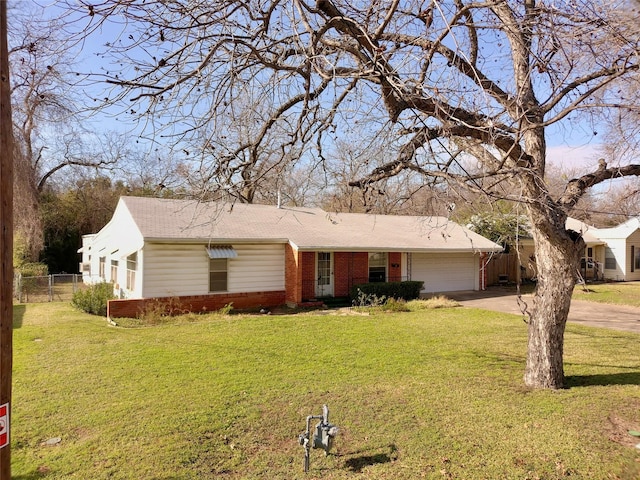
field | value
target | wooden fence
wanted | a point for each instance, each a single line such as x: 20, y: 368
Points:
x: 505, y: 268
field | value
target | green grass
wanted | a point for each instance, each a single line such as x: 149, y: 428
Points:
x: 425, y: 394
x: 620, y: 293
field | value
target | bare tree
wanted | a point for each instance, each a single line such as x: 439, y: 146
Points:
x: 459, y: 91
x: 50, y: 134
x: 615, y: 204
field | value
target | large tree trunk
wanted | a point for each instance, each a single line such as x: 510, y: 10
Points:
x: 557, y: 256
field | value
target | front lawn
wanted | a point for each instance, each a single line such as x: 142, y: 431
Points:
x: 428, y: 394
x: 620, y: 293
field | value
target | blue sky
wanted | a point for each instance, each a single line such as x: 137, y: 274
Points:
x: 576, y: 148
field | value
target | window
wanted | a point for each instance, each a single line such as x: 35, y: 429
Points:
x: 217, y: 274
x: 132, y: 265
x: 114, y: 271
x: 633, y: 257
x: 637, y: 258
x: 219, y: 256
x: 377, y: 267
x: 102, y: 265
x: 609, y: 260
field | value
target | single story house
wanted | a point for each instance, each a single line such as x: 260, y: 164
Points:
x: 592, y: 263
x: 610, y: 254
x: 621, y: 252
x: 205, y: 255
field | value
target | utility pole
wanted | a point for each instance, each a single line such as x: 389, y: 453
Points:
x: 6, y: 248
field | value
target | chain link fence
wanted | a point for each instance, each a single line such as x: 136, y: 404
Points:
x: 49, y: 288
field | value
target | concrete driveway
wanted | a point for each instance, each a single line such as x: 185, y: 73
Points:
x: 501, y: 299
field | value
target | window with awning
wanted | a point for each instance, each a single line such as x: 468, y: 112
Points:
x: 219, y: 256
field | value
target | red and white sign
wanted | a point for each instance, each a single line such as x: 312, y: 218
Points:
x: 4, y: 425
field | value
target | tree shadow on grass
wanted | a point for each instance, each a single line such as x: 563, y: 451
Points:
x: 29, y: 476
x: 39, y: 475
x: 627, y: 378
x: 18, y: 315
x: 357, y: 464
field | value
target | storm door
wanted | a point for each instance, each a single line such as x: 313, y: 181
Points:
x: 324, y: 285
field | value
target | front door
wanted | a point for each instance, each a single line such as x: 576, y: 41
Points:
x: 324, y: 264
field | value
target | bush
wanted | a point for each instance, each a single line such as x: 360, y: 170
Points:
x: 438, y: 301
x: 94, y: 299
x: 408, y: 290
x: 383, y: 304
x: 395, y: 305
x: 169, y: 311
x: 32, y: 269
x: 368, y: 300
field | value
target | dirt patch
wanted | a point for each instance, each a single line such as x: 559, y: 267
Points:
x: 619, y: 428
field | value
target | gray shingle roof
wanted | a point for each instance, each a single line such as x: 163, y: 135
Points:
x: 163, y: 220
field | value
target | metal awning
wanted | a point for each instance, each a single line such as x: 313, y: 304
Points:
x: 221, y: 251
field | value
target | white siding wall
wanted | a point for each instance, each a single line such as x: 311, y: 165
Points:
x: 182, y: 269
x: 118, y: 239
x: 618, y: 247
x: 258, y: 268
x: 633, y: 239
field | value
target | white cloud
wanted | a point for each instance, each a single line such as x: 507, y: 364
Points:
x: 582, y: 158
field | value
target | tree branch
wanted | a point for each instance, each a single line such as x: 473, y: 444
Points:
x: 576, y: 187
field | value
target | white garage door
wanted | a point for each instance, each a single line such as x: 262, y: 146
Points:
x: 444, y: 272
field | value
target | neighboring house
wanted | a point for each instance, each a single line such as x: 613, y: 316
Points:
x: 610, y: 254
x: 621, y: 252
x: 519, y: 265
x: 592, y: 261
x: 206, y: 255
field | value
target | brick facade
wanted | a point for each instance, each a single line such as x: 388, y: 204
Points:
x: 394, y: 260
x: 349, y: 268
x: 308, y: 261
x: 292, y: 276
x: 195, y: 303
x: 342, y: 267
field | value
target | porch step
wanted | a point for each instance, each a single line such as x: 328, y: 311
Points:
x: 311, y: 304
x: 336, y: 302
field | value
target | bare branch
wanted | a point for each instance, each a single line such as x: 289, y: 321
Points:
x: 576, y: 187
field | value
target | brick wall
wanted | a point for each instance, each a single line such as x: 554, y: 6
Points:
x: 341, y: 273
x: 349, y: 268
x: 361, y: 267
x: 395, y: 271
x: 308, y: 262
x: 292, y: 275
x: 196, y: 303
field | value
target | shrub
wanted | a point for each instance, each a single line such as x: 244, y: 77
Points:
x: 439, y: 301
x: 226, y: 310
x: 363, y: 299
x: 94, y: 299
x: 171, y: 310
x: 29, y: 269
x: 395, y: 305
x: 408, y: 290
x: 158, y: 310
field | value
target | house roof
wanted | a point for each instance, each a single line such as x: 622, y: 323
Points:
x: 589, y: 233
x: 623, y: 230
x: 167, y: 220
